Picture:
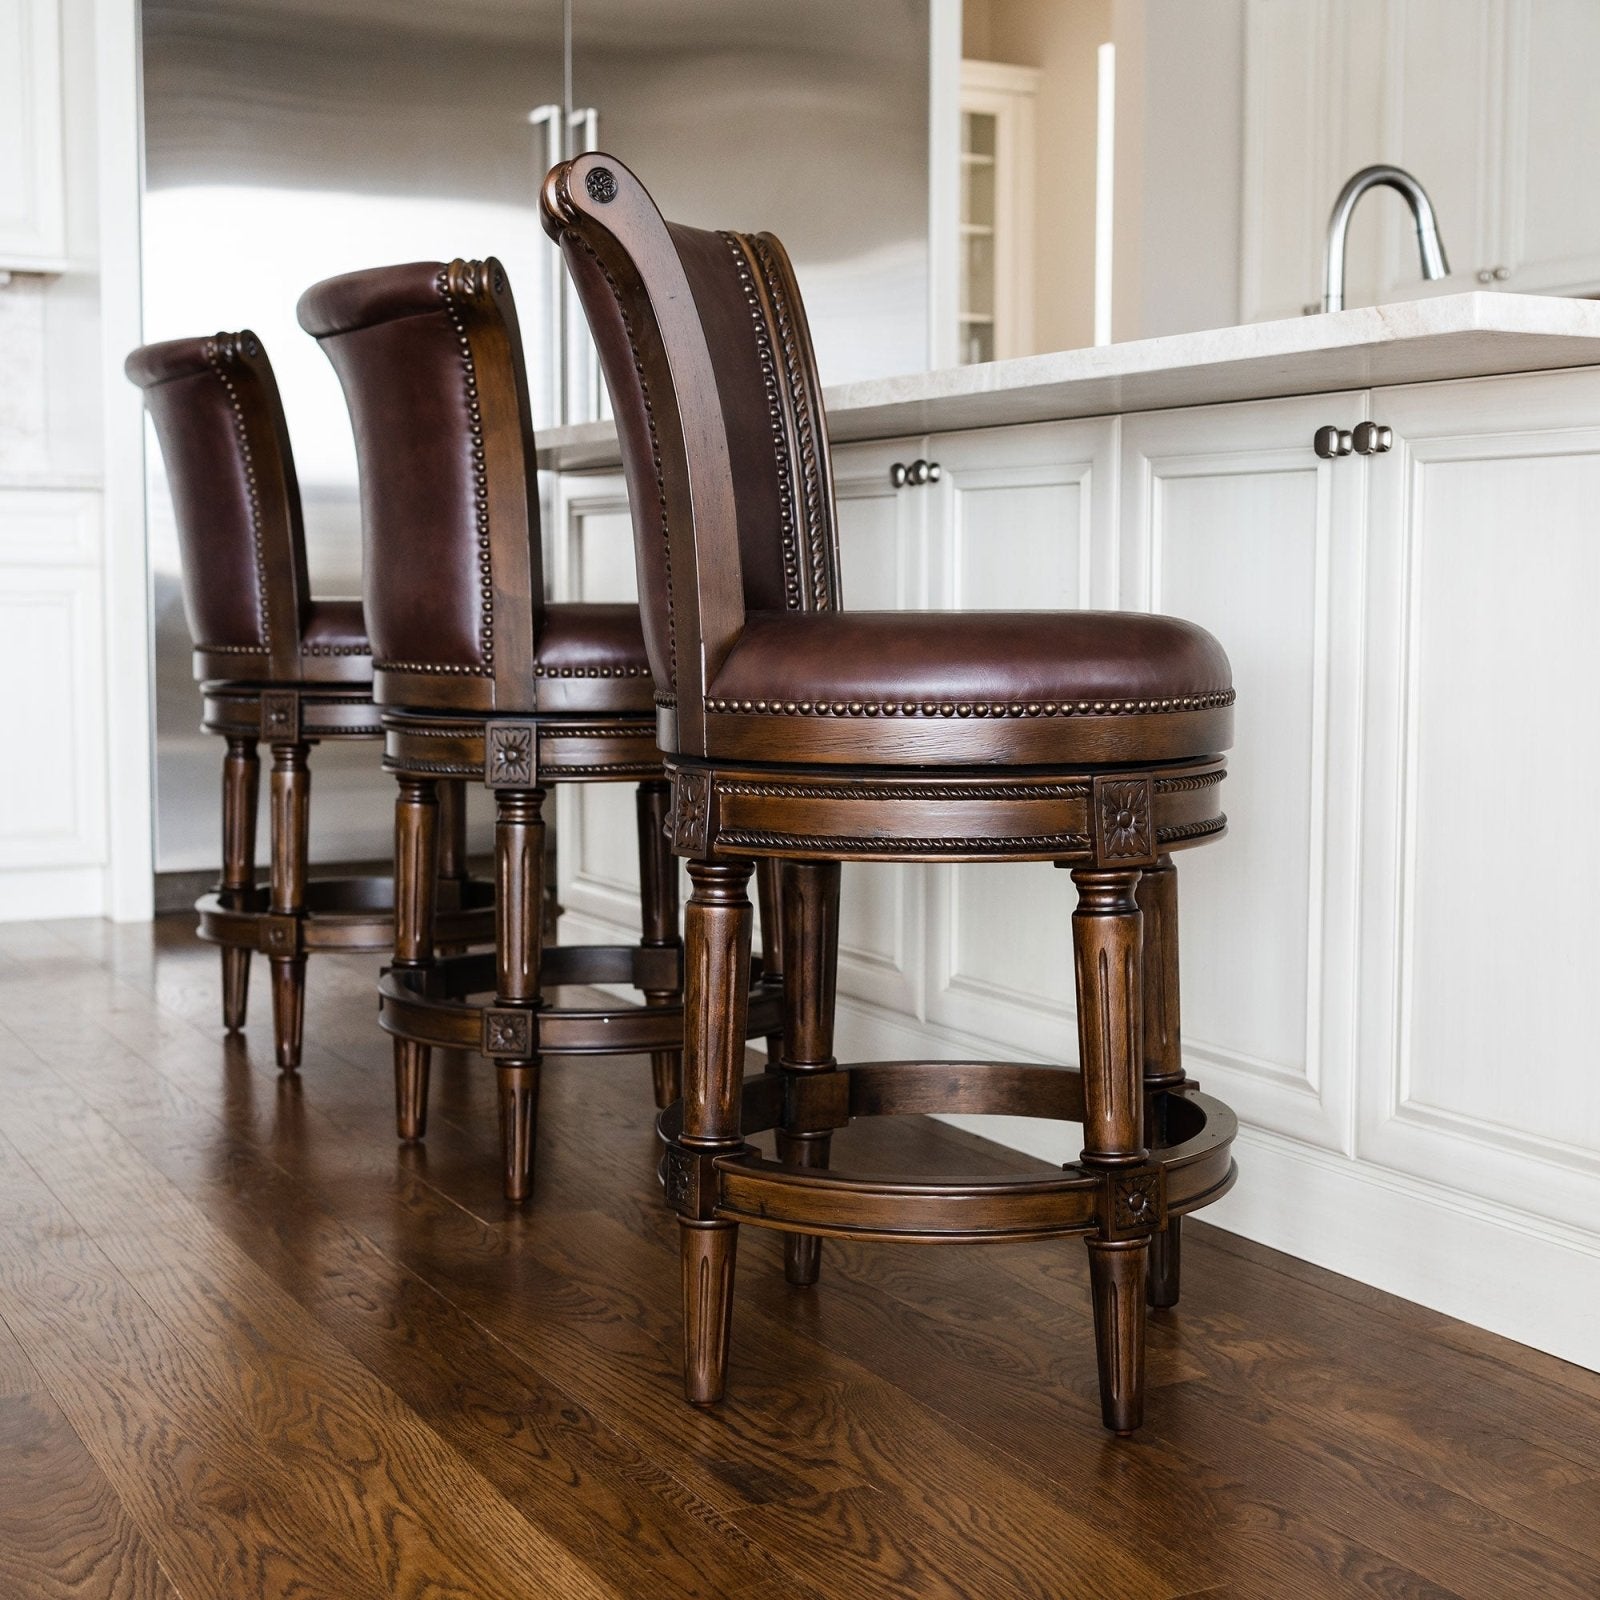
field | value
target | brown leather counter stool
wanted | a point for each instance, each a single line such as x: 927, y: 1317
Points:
x: 273, y: 664
x: 794, y: 729
x: 478, y: 678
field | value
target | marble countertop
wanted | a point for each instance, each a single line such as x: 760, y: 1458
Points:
x: 1418, y: 341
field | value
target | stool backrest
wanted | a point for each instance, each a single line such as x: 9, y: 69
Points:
x: 225, y: 443
x: 430, y: 358
x: 708, y: 359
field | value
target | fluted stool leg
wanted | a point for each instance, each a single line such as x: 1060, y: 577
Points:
x: 717, y: 992
x: 810, y: 912
x: 1106, y: 939
x: 417, y: 862
x: 658, y: 897
x: 241, y: 787
x: 519, y: 933
x: 291, y: 823
x: 1163, y: 1050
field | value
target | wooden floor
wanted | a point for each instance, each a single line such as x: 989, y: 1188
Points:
x: 250, y: 1347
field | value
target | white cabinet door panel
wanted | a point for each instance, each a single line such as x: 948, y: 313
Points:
x: 1481, y: 945
x: 589, y: 548
x: 51, y: 642
x: 882, y: 562
x: 32, y: 201
x: 1230, y: 520
x: 1022, y: 518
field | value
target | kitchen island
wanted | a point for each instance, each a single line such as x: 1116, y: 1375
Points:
x: 1388, y: 957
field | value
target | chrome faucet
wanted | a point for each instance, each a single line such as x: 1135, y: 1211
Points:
x: 1434, y: 265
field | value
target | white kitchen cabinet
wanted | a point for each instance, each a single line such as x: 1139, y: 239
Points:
x: 32, y: 182
x: 1489, y: 103
x: 1231, y: 520
x: 1481, y: 749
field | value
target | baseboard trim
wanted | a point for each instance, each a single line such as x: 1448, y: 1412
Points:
x: 41, y: 894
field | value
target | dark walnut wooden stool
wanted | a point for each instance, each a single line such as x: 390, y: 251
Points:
x: 798, y: 731
x: 479, y: 679
x: 274, y: 665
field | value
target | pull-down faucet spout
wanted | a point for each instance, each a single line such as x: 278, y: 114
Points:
x: 1434, y: 265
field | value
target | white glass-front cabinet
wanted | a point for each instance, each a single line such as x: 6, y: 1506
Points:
x: 32, y: 187
x: 1489, y: 102
x: 996, y: 304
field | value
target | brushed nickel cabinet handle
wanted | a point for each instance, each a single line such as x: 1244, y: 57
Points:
x: 1372, y: 439
x: 1329, y: 442
x: 898, y: 475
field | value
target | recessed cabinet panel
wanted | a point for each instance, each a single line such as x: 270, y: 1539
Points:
x: 32, y: 208
x: 1018, y: 511
x: 50, y: 640
x: 881, y: 550
x: 1477, y: 1028
x: 1230, y: 521
x: 591, y: 547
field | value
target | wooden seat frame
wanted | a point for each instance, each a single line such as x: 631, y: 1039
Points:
x: 1155, y: 1148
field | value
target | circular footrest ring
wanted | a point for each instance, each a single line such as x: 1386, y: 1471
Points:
x: 430, y: 1005
x: 742, y: 1185
x: 355, y: 914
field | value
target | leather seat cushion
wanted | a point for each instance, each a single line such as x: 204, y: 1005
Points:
x: 592, y: 651
x: 1068, y: 676
x: 333, y: 643
x: 971, y: 656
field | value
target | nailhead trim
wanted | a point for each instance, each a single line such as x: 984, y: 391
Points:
x: 431, y: 666
x: 336, y: 649
x: 790, y: 545
x: 217, y: 351
x: 655, y: 445
x: 480, y: 474
x: 820, y: 547
x: 591, y: 672
x: 947, y: 708
x: 233, y: 649
x: 849, y: 844
x: 939, y: 791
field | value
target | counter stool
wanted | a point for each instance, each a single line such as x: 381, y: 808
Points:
x: 273, y: 664
x: 796, y: 730
x: 479, y: 679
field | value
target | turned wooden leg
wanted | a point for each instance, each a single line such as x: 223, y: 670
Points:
x: 241, y: 787
x: 658, y: 897
x: 418, y: 855
x: 1106, y: 940
x: 716, y: 1002
x: 1163, y: 1050
x: 519, y: 930
x: 810, y: 943
x: 291, y: 823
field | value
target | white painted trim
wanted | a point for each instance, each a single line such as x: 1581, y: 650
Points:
x: 37, y: 894
x: 944, y: 180
x: 130, y: 878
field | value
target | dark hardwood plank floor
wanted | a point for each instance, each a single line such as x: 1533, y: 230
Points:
x: 250, y: 1347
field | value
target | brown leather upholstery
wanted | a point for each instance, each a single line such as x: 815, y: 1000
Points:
x: 1063, y: 675
x: 744, y: 487
x: 335, y: 632
x: 431, y: 362
x: 220, y: 422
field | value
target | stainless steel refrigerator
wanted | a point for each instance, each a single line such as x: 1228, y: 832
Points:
x: 286, y: 140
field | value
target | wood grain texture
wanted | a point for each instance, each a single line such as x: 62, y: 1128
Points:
x: 260, y: 1348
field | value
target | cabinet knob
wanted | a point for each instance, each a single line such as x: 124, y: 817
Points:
x: 1484, y: 275
x: 898, y: 475
x: 1501, y: 274
x: 924, y: 472
x: 1372, y: 439
x: 1329, y: 442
